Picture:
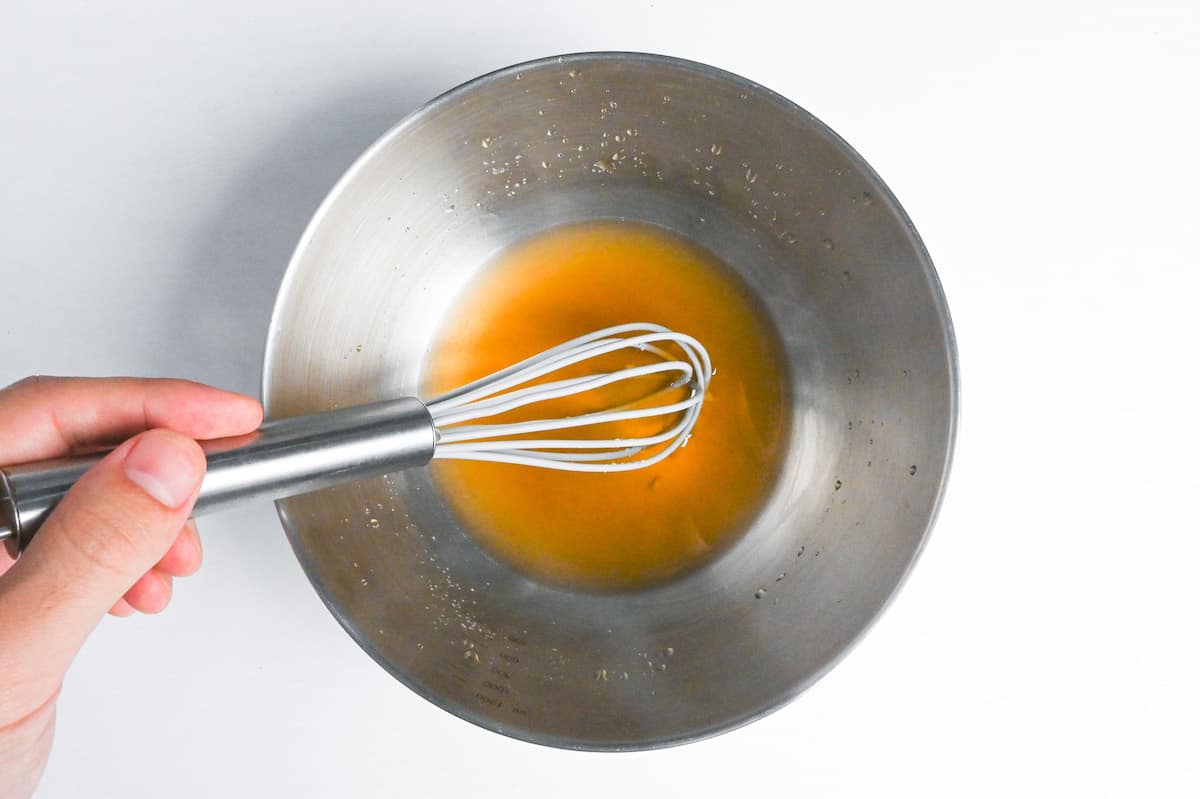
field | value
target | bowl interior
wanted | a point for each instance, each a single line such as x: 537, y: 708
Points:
x: 845, y: 282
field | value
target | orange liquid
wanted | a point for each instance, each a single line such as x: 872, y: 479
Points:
x: 632, y: 529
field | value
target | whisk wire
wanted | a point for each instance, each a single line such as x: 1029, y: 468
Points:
x: 564, y: 388
x: 502, y: 391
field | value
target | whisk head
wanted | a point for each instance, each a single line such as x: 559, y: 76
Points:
x: 514, y: 387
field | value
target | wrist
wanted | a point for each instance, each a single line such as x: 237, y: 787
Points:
x: 25, y: 748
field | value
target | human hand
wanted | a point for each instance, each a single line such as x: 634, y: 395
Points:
x: 114, y: 543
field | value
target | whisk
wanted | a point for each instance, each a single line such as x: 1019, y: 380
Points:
x: 292, y: 456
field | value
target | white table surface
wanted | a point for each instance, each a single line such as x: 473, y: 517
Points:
x: 158, y: 161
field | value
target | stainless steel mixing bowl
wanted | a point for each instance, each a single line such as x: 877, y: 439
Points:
x: 838, y: 267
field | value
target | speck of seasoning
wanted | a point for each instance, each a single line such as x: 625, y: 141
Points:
x: 837, y: 485
x: 912, y: 470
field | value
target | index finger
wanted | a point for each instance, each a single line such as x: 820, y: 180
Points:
x: 47, y: 417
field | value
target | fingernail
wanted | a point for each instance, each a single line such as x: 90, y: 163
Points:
x: 164, y: 465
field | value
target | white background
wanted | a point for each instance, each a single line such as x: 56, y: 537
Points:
x: 159, y: 160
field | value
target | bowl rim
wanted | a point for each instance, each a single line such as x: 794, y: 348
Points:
x: 943, y: 312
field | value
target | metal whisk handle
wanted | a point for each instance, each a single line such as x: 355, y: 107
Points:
x: 282, y: 458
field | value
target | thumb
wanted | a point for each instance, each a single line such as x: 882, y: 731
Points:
x: 109, y: 530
